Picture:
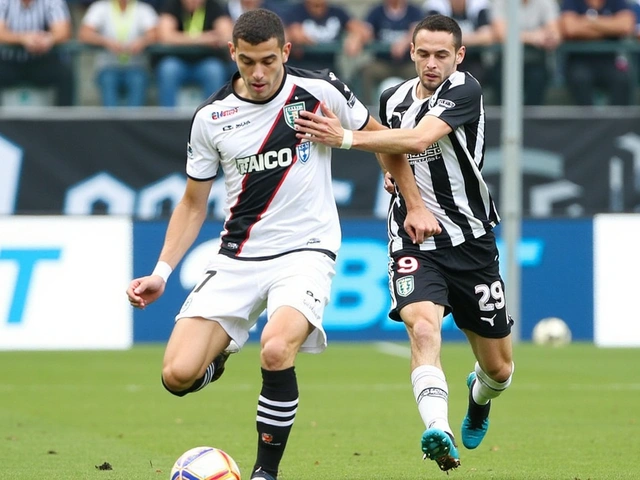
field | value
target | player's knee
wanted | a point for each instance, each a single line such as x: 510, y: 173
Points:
x: 500, y: 373
x: 276, y: 354
x: 176, y: 380
x: 169, y: 389
x: 424, y: 331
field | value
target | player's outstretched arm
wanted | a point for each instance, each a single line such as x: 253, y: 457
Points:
x: 184, y: 226
x: 327, y: 129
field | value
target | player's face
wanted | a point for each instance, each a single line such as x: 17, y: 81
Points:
x: 260, y: 66
x: 436, y: 58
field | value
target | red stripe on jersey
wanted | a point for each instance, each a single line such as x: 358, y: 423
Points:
x: 284, y: 176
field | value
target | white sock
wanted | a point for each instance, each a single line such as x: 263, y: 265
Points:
x: 485, y: 388
x: 431, y: 393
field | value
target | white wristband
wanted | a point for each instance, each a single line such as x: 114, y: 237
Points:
x: 347, y: 140
x: 163, y: 269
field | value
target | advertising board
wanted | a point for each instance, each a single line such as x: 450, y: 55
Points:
x: 63, y: 283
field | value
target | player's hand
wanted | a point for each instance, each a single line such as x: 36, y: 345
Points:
x: 421, y: 224
x: 389, y: 184
x: 326, y: 129
x: 145, y: 290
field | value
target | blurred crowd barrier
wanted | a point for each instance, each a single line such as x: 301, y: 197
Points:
x: 86, y: 92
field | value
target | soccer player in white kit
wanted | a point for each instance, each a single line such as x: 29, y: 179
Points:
x: 281, y: 232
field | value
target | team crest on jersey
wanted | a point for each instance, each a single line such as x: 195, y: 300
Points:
x: 302, y: 151
x: 291, y: 112
x: 405, y: 286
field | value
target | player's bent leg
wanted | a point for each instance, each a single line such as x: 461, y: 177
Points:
x: 192, y: 359
x: 439, y: 446
x: 485, y: 383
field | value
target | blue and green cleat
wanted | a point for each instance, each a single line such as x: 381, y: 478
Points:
x: 439, y: 446
x: 476, y: 422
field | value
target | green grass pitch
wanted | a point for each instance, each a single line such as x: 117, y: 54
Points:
x: 571, y: 413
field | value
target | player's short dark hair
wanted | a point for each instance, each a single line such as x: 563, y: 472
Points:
x: 440, y: 23
x: 257, y: 26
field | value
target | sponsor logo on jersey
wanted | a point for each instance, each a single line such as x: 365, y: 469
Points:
x: 352, y: 100
x: 444, y: 103
x: 434, y: 152
x: 264, y: 161
x: 303, y: 150
x: 231, y: 126
x: 224, y: 113
x: 405, y: 286
x: 291, y: 112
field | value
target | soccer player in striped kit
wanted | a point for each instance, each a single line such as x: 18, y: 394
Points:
x: 437, y: 119
x: 281, y: 232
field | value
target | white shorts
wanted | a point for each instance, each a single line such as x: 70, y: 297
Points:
x: 234, y: 293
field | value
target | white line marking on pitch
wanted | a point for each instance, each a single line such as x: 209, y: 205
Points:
x: 394, y: 349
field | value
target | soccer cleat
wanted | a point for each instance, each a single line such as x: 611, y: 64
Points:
x: 260, y: 474
x: 476, y: 422
x: 221, y: 359
x: 439, y: 446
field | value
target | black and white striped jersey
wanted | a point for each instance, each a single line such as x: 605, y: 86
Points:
x: 279, y: 190
x: 37, y: 15
x: 447, y: 172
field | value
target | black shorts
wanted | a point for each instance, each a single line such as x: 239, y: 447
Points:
x: 464, y: 279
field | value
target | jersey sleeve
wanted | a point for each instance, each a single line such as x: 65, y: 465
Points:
x: 202, y: 157
x: 353, y: 114
x: 382, y: 112
x: 460, y: 103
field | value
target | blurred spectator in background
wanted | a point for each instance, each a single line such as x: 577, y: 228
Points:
x: 316, y: 23
x: 597, y: 20
x: 540, y: 34
x: 235, y: 8
x: 474, y: 19
x: 29, y: 31
x: 390, y: 24
x: 636, y: 10
x: 193, y: 23
x: 124, y: 28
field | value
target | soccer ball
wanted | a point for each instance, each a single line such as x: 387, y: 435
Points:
x: 205, y: 463
x: 551, y: 331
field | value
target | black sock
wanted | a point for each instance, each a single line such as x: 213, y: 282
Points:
x: 277, y: 407
x: 477, y: 413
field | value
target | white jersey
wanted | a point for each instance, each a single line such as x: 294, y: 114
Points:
x: 279, y: 191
